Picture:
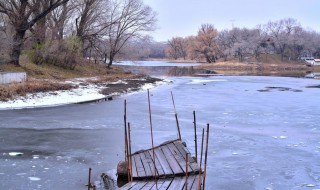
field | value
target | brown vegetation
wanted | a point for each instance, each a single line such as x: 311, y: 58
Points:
x: 47, y: 77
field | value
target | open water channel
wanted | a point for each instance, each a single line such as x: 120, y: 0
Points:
x: 264, y: 134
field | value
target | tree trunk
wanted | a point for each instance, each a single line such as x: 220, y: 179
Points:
x: 16, y: 47
x: 111, y: 57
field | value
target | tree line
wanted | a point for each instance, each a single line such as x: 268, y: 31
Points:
x: 61, y: 31
x: 285, y: 37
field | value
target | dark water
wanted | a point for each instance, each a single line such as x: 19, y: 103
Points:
x: 260, y: 137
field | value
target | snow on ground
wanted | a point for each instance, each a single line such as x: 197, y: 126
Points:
x: 84, y: 93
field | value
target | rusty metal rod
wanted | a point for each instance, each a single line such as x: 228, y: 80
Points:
x: 127, y: 153
x: 130, y: 156
x: 176, y: 116
x: 153, y: 155
x: 186, y: 184
x: 89, y: 179
x: 125, y: 131
x: 205, y: 158
x: 200, y: 172
x: 195, y: 135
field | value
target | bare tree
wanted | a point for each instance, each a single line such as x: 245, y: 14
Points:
x: 130, y: 19
x: 206, y: 42
x: 177, y: 47
x: 23, y: 15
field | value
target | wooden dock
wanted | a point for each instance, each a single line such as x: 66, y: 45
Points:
x: 168, y: 166
x: 175, y: 168
x: 170, y: 161
x: 177, y: 183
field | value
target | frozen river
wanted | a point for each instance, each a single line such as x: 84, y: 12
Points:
x: 265, y: 134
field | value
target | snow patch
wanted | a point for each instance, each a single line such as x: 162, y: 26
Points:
x: 34, y: 178
x: 15, y: 153
x: 203, y: 81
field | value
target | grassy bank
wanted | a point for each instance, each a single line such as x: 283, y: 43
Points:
x: 44, y: 78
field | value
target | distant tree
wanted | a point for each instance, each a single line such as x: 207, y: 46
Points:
x: 177, y: 47
x: 23, y: 15
x: 130, y: 19
x: 206, y: 43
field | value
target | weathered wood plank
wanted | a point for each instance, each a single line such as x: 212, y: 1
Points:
x: 128, y: 185
x: 139, y: 185
x: 192, y: 162
x: 140, y: 170
x: 196, y: 182
x: 177, y: 184
x: 174, y: 164
x: 166, y: 184
x: 159, y: 169
x: 190, y: 181
x: 158, y: 184
x: 179, y: 157
x: 146, y: 164
x: 163, y: 161
x: 148, y: 186
x: 150, y: 161
x: 134, y: 167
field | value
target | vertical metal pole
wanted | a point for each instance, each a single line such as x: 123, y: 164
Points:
x: 150, y: 119
x: 89, y: 180
x: 195, y: 135
x: 205, y: 158
x: 127, y: 152
x: 186, y: 184
x: 125, y: 131
x: 176, y: 116
x: 130, y: 157
x: 200, y: 172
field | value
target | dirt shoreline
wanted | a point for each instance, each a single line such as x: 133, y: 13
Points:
x: 84, y: 90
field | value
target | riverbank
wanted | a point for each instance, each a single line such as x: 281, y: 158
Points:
x: 83, y: 90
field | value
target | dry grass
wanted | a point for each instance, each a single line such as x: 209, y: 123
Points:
x: 45, y: 77
x: 10, y: 91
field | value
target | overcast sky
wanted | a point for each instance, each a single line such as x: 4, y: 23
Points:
x: 184, y: 17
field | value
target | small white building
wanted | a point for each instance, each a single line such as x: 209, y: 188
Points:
x: 309, y: 60
x: 11, y: 77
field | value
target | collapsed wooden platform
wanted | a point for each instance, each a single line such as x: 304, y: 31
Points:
x: 175, y: 168
x: 169, y: 166
x: 177, y: 183
x: 170, y: 161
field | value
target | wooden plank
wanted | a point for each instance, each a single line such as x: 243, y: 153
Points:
x: 134, y: 168
x: 191, y: 179
x: 150, y: 161
x: 140, y: 170
x: 177, y: 183
x: 139, y: 185
x: 146, y: 164
x: 166, y: 184
x: 159, y: 169
x: 192, y: 162
x: 158, y: 184
x: 149, y: 185
x: 196, y: 182
x: 174, y: 164
x: 163, y: 161
x: 179, y: 157
x: 128, y: 185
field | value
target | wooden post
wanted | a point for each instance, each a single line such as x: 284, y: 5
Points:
x: 200, y: 172
x: 176, y: 116
x: 186, y: 184
x: 195, y: 135
x: 153, y: 156
x: 89, y: 180
x: 205, y: 158
x: 130, y: 157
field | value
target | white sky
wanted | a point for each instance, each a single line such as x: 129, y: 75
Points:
x: 184, y: 17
